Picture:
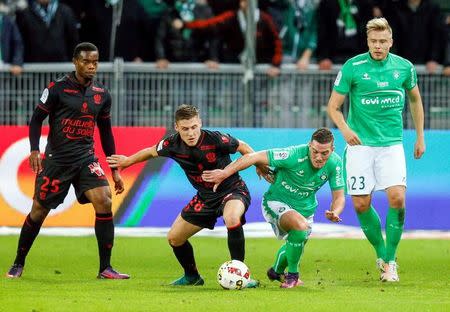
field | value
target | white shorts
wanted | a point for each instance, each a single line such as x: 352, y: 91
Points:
x: 272, y: 212
x: 374, y: 168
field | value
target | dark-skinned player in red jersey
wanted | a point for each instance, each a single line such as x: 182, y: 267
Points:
x: 74, y: 103
x: 196, y: 150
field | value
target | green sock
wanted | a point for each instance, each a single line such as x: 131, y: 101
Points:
x: 280, y: 260
x: 294, y: 248
x: 371, y: 226
x: 394, y: 229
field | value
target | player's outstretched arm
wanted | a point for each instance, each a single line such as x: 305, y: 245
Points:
x: 247, y: 160
x: 415, y: 102
x: 337, y: 206
x: 335, y: 113
x: 262, y: 170
x: 122, y: 161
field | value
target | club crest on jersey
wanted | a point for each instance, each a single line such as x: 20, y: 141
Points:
x: 366, y: 76
x: 323, y: 176
x: 96, y: 169
x: 396, y: 74
x: 211, y: 157
x: 97, y: 99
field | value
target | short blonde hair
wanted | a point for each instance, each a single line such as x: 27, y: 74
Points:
x: 378, y: 24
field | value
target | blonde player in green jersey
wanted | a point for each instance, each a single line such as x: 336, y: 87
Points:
x: 290, y: 203
x: 374, y: 159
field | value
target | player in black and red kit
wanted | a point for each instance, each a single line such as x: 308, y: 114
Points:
x: 196, y: 150
x: 74, y: 103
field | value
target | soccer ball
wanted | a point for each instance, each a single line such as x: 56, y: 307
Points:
x: 233, y: 274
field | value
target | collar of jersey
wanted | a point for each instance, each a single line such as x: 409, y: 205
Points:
x: 75, y: 80
x: 378, y: 63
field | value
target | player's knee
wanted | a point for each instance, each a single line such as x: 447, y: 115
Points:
x: 232, y: 220
x: 361, y: 205
x: 38, y: 212
x: 397, y: 200
x: 301, y: 226
x: 173, y: 240
x: 103, y: 205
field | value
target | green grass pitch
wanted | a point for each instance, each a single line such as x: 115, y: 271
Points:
x: 339, y: 275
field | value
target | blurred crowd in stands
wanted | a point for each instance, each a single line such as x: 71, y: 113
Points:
x: 325, y: 32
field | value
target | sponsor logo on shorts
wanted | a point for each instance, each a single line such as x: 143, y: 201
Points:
x: 96, y: 169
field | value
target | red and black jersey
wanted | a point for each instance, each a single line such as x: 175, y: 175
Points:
x: 211, y: 152
x: 73, y: 111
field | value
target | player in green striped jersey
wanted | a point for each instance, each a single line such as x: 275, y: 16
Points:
x: 290, y: 203
x: 374, y: 159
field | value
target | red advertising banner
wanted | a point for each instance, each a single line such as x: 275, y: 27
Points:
x: 17, y: 179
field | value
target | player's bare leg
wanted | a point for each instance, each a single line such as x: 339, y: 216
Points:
x: 29, y: 232
x: 177, y: 237
x: 100, y: 197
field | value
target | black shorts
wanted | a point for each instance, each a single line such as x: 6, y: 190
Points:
x: 53, y: 183
x: 204, y: 212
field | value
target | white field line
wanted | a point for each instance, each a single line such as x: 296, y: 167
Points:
x: 261, y: 229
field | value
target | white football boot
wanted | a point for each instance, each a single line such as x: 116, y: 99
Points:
x: 391, y: 274
x: 382, y: 266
